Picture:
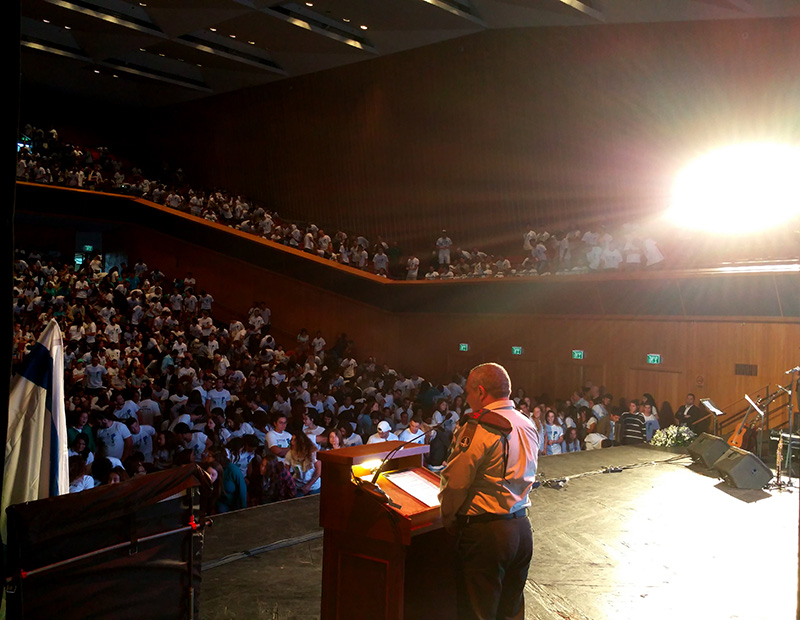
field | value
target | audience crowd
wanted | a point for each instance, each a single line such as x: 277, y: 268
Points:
x: 152, y: 381
x: 578, y: 249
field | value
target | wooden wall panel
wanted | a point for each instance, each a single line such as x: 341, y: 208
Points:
x: 615, y: 353
x: 487, y: 133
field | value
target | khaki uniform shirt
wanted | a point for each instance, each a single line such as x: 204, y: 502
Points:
x: 473, y: 482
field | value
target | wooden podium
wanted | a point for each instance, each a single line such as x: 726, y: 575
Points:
x: 379, y: 561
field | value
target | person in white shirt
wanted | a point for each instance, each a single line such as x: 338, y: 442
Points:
x: 445, y: 417
x: 279, y: 439
x: 600, y: 410
x: 384, y: 433
x: 218, y: 397
x: 113, y: 438
x: 414, y: 432
x: 611, y: 258
x: 197, y: 442
x: 143, y: 436
x: 124, y: 406
x: 443, y: 244
x: 94, y: 375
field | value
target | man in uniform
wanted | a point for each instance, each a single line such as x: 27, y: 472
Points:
x: 484, y: 498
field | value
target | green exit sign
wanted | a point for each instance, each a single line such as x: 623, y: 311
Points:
x: 516, y: 350
x: 88, y: 248
x: 653, y: 358
x: 463, y: 347
x: 577, y: 354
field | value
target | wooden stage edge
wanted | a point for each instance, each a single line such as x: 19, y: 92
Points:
x: 660, y: 539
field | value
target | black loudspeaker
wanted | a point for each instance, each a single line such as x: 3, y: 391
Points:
x: 743, y: 469
x: 707, y: 449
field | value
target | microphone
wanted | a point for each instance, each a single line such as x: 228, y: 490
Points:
x: 791, y: 370
x: 386, y: 459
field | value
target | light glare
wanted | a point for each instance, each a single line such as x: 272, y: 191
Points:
x: 739, y: 189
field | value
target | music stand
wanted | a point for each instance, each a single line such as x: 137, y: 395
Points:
x: 760, y: 426
x: 711, y: 406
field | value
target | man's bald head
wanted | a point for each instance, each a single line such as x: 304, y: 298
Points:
x: 493, y: 378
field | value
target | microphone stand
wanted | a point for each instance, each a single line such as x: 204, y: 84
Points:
x: 790, y: 392
x: 379, y: 471
x: 371, y: 486
x: 787, y: 466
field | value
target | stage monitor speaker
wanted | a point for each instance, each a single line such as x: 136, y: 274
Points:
x: 707, y: 449
x: 743, y: 469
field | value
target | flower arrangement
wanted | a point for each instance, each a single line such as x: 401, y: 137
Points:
x: 673, y: 436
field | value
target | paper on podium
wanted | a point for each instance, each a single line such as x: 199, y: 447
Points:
x: 416, y: 485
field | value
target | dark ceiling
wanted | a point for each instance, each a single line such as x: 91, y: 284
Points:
x: 160, y: 52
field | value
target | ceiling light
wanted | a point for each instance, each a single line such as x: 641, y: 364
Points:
x: 46, y: 21
x: 213, y: 29
x: 344, y: 19
x: 67, y: 27
x: 232, y: 36
x: 309, y: 4
x: 252, y: 42
x: 363, y: 27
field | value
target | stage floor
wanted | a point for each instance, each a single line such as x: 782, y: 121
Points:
x: 659, y: 539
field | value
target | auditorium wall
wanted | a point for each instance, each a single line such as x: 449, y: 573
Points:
x: 486, y: 133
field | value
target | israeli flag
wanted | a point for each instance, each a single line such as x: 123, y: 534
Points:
x: 36, y: 464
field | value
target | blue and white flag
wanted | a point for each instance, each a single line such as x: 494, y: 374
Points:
x: 36, y: 446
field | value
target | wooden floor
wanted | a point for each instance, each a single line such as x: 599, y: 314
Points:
x: 659, y: 539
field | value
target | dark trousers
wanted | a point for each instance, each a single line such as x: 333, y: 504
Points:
x: 493, y: 560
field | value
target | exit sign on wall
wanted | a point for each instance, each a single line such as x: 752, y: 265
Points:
x: 653, y: 358
x: 463, y: 347
x: 516, y: 350
x: 577, y: 354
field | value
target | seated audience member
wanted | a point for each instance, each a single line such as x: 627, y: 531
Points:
x: 245, y: 454
x: 349, y: 436
x: 384, y: 433
x: 196, y: 442
x: 302, y: 462
x: 233, y: 492
x: 444, y: 417
x: 113, y: 437
x: 335, y: 439
x: 536, y: 418
x: 215, y: 475
x: 79, y: 423
x: 143, y: 437
x: 650, y: 419
x: 414, y: 432
x: 277, y: 480
x: 79, y: 480
x: 554, y: 434
x: 80, y: 447
x: 595, y: 441
x: 164, y: 450
x: 279, y: 439
x: 117, y: 475
x: 610, y: 427
x: 571, y: 441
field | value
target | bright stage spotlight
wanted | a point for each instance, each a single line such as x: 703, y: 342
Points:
x: 739, y: 189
